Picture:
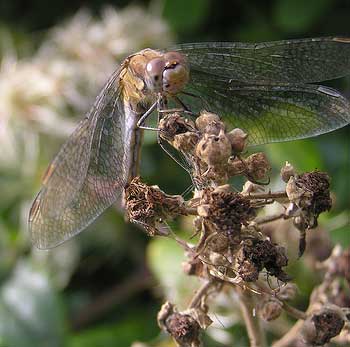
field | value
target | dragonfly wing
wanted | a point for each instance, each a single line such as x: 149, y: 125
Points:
x: 294, y: 61
x: 270, y: 113
x: 88, y: 174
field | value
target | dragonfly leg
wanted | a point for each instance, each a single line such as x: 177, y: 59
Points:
x: 141, y: 121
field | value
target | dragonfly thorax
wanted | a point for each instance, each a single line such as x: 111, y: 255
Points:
x: 167, y: 74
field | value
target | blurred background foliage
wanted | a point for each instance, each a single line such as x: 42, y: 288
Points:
x: 104, y: 287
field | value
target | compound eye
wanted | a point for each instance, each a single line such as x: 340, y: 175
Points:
x: 155, y: 68
x: 174, y: 58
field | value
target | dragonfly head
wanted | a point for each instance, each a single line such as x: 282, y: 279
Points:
x: 167, y: 74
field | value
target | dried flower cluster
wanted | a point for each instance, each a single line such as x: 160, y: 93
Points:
x: 232, y: 252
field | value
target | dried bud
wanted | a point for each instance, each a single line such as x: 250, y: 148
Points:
x: 238, y: 139
x: 250, y: 187
x: 209, y: 123
x: 258, y: 166
x: 186, y: 142
x: 201, y: 317
x: 173, y: 124
x: 287, y: 171
x: 220, y: 243
x: 147, y: 205
x: 218, y: 259
x: 270, y: 308
x: 261, y: 254
x: 193, y: 267
x: 310, y: 192
x: 322, y: 325
x: 214, y: 150
x: 227, y: 211
x: 166, y: 310
x: 287, y: 292
x: 236, y: 166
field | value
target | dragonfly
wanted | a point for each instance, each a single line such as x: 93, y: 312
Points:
x: 267, y: 89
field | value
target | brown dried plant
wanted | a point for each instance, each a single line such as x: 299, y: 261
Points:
x: 233, y: 252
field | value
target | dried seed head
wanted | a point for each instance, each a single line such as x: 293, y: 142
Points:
x: 184, y: 329
x: 310, y: 192
x: 258, y: 166
x: 148, y: 205
x: 214, y: 150
x: 270, y: 308
x: 287, y: 171
x: 173, y: 124
x: 238, y: 139
x: 227, y: 211
x: 209, y: 123
x: 261, y: 254
x: 322, y: 325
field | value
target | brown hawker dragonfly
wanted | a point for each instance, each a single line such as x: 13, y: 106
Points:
x: 263, y: 88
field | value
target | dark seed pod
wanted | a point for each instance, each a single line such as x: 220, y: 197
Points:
x: 226, y: 210
x: 259, y: 254
x: 322, y: 325
x: 310, y: 192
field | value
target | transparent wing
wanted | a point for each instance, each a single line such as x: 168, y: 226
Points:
x: 270, y: 113
x: 87, y: 175
x: 295, y: 61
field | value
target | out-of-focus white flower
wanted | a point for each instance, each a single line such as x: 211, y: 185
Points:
x: 41, y: 94
x: 95, y: 47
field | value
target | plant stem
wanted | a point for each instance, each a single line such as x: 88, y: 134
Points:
x: 294, y: 312
x: 270, y: 218
x: 255, y: 332
x: 202, y: 291
x: 269, y: 195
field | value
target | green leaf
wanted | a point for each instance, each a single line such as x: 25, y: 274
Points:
x: 299, y: 15
x: 185, y: 15
x: 30, y: 313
